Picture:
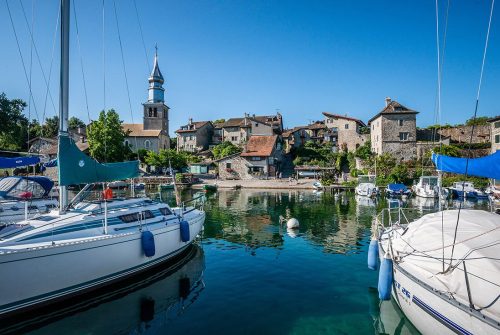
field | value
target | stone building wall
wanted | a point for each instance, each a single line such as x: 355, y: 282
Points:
x: 495, y: 136
x: 376, y: 135
x: 461, y: 134
x: 236, y: 135
x: 391, y: 140
x: 137, y: 143
x: 237, y: 168
x: 348, y: 132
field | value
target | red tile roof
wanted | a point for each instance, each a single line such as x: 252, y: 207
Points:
x: 345, y: 117
x: 259, y: 145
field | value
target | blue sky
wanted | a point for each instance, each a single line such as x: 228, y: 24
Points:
x: 222, y: 59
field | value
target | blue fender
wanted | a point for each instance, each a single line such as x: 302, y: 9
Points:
x: 373, y: 255
x: 385, y: 278
x: 148, y: 243
x: 184, y: 227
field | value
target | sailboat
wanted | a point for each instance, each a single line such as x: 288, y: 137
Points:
x: 23, y: 197
x: 443, y: 269
x: 89, y: 242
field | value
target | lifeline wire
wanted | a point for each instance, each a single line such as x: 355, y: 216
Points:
x: 473, y: 123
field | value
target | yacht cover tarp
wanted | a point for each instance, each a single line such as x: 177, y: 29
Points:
x: 77, y: 168
x: 487, y: 166
x: 420, y: 250
x: 396, y: 187
x: 13, y: 162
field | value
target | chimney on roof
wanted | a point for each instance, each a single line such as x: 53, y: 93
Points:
x: 387, y: 101
x: 190, y: 120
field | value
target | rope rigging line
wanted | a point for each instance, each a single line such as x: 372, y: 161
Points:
x: 21, y: 56
x: 473, y: 123
x: 104, y: 79
x: 81, y: 62
x: 54, y: 38
x: 37, y: 56
x: 142, y: 37
x: 124, y: 69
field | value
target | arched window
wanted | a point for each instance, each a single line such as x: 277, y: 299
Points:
x: 150, y: 110
x: 155, y: 112
x: 126, y: 143
x: 147, y: 144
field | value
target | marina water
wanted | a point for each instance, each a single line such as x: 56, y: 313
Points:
x: 249, y: 274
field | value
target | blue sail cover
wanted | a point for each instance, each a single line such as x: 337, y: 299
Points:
x: 13, y: 162
x: 77, y: 168
x: 487, y: 166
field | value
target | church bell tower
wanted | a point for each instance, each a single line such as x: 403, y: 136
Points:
x: 155, y: 109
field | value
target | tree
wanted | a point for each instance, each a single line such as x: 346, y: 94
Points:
x: 447, y: 150
x: 75, y: 123
x: 225, y: 149
x: 478, y: 121
x: 173, y: 143
x: 364, y: 151
x: 35, y: 129
x: 13, y: 124
x: 167, y: 157
x: 51, y: 127
x: 219, y: 121
x: 106, y: 138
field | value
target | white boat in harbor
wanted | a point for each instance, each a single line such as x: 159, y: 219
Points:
x: 366, y: 186
x: 443, y: 268
x: 91, y: 241
x: 466, y: 189
x: 25, y: 197
x: 427, y: 187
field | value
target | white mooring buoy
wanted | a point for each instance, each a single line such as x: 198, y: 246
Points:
x: 292, y: 223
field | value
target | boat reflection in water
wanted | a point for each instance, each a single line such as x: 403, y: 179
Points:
x: 142, y: 304
x: 387, y: 317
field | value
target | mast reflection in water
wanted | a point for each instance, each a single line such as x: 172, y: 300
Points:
x: 142, y: 304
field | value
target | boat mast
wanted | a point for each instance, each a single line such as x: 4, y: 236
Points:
x: 64, y: 90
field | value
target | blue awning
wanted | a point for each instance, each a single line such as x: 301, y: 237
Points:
x: 396, y: 187
x: 13, y: 162
x: 487, y: 166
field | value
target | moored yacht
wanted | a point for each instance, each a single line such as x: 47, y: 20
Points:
x: 427, y: 187
x: 443, y: 269
x: 94, y: 240
x: 366, y: 186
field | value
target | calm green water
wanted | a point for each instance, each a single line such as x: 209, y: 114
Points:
x: 249, y: 275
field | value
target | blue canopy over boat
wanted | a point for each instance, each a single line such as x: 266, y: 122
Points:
x: 13, y: 162
x: 487, y: 166
x: 7, y: 184
x: 77, y: 168
x: 397, y: 187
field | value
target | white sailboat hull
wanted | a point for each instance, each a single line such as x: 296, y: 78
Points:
x: 39, y: 275
x: 434, y: 313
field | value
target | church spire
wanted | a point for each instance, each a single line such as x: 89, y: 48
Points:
x: 156, y: 90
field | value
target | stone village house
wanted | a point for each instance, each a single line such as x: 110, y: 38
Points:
x: 345, y: 131
x: 195, y: 136
x: 394, y: 131
x: 239, y: 130
x: 260, y: 159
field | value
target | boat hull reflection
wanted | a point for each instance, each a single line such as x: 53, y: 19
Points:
x: 146, y: 302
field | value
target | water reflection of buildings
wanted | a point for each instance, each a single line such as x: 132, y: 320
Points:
x: 251, y: 218
x: 248, y: 218
x: 144, y: 304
